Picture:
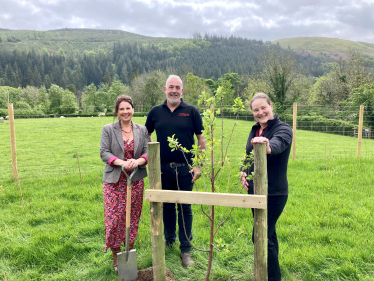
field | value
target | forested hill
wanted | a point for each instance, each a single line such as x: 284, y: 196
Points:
x: 78, y: 39
x: 86, y: 56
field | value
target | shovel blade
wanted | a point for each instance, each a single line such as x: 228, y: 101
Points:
x: 127, y: 270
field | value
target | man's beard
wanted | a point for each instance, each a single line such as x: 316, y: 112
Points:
x: 173, y: 101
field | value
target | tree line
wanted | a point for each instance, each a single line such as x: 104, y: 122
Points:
x: 208, y: 57
x: 90, y: 82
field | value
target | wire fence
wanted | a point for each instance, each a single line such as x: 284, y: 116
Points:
x: 51, y: 147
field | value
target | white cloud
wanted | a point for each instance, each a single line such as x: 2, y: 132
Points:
x: 267, y: 20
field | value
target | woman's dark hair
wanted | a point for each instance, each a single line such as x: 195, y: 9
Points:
x: 120, y: 99
x: 259, y: 95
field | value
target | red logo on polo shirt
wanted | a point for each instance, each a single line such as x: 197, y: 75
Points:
x: 183, y: 114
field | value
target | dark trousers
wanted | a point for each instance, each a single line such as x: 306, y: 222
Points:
x: 275, y: 208
x: 169, y: 182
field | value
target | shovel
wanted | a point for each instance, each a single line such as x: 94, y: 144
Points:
x: 127, y: 265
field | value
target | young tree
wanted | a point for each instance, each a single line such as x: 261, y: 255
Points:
x: 212, y: 161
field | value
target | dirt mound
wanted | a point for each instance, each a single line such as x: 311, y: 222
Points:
x: 147, y: 275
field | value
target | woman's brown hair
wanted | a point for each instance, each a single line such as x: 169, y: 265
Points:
x: 120, y: 99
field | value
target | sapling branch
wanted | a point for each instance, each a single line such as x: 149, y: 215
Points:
x: 211, y: 170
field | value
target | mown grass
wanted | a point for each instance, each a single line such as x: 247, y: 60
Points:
x: 325, y: 233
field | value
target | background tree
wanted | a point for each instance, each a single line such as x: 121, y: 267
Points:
x: 280, y: 74
x: 55, y: 97
x: 88, y: 98
x: 363, y: 95
x: 152, y: 91
x: 107, y: 78
x: 343, y: 76
x: 193, y: 88
x: 69, y: 103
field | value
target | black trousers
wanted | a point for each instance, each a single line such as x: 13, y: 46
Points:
x: 275, y: 206
x: 169, y: 182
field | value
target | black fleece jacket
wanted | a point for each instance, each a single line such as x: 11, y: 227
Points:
x: 280, y: 139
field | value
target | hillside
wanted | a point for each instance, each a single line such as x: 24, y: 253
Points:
x: 327, y: 47
x: 79, y: 38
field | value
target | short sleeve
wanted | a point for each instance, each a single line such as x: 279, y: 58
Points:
x: 149, y: 124
x: 198, y: 122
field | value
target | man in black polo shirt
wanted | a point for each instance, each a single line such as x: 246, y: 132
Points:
x: 175, y: 117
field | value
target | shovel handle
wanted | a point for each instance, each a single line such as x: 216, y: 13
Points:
x: 128, y: 199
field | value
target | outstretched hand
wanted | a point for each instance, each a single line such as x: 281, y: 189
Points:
x: 243, y: 178
x: 195, y: 173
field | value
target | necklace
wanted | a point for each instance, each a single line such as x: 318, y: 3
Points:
x: 125, y: 133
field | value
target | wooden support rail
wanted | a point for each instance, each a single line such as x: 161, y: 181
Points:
x: 155, y: 196
x: 206, y: 198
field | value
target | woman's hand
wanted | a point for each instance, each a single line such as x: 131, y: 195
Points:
x: 243, y: 178
x: 130, y: 164
x: 262, y: 140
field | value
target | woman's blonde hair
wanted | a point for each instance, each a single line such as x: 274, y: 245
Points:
x: 259, y: 95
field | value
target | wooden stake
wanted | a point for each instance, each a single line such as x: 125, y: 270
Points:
x: 326, y: 159
x: 20, y: 191
x: 294, y: 130
x: 5, y: 276
x: 260, y: 183
x: 360, y: 126
x: 13, y: 141
x: 157, y: 232
x: 79, y: 166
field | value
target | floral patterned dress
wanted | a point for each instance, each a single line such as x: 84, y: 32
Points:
x: 115, y: 206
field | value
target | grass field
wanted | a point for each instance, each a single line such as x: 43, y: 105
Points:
x: 325, y: 233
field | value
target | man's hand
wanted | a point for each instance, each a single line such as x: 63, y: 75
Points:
x: 243, y: 178
x: 196, y: 174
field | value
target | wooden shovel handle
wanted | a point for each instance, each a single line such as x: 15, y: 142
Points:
x: 128, y: 203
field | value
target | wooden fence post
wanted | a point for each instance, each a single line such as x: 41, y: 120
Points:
x: 260, y: 183
x: 13, y: 141
x: 294, y: 130
x: 359, y: 135
x: 157, y: 231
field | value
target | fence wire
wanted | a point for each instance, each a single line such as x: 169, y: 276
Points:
x: 50, y: 146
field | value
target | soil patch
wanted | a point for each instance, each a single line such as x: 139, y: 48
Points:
x: 147, y: 275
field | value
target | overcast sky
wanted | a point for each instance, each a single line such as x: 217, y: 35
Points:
x: 254, y: 19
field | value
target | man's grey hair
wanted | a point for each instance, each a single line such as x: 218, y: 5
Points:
x: 171, y: 77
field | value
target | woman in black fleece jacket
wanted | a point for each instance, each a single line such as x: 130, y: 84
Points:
x: 278, y: 138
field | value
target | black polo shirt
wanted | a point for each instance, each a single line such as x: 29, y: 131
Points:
x: 183, y: 122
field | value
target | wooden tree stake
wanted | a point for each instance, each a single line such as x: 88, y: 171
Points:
x: 157, y: 232
x: 260, y: 183
x: 294, y: 131
x: 13, y: 141
x: 79, y: 166
x: 360, y: 127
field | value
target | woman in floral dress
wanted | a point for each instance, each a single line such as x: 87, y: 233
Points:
x: 123, y: 144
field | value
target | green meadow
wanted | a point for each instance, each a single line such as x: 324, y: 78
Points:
x: 325, y: 232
